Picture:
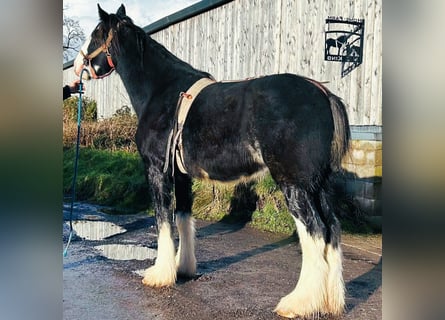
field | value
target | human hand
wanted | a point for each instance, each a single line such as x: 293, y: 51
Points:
x: 75, y: 86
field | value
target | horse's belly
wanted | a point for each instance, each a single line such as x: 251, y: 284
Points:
x: 228, y: 164
x: 230, y: 175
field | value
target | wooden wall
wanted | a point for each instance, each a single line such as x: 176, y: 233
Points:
x: 246, y: 38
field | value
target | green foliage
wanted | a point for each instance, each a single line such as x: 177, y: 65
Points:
x: 211, y: 200
x: 269, y: 218
x: 123, y: 112
x: 271, y: 213
x: 107, y: 178
x: 215, y: 201
x: 266, y: 186
x: 70, y: 108
x: 116, y: 133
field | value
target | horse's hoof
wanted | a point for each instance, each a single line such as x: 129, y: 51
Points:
x: 296, y: 305
x: 156, y: 278
x: 153, y: 283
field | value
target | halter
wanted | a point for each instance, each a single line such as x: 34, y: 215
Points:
x: 103, y: 48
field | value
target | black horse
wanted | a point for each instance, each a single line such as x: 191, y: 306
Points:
x: 289, y: 125
x: 336, y: 43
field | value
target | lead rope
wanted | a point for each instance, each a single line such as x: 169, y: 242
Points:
x: 73, y: 187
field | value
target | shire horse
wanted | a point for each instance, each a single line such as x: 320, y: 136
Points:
x: 288, y: 125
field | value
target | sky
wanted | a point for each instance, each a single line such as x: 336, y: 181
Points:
x: 143, y: 12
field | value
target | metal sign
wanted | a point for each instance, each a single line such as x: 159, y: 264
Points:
x: 344, y: 42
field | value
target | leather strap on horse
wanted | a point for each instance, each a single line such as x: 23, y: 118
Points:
x: 319, y: 85
x: 175, y: 149
x: 103, y: 48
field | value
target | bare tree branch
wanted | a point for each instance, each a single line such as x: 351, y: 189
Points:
x: 73, y: 38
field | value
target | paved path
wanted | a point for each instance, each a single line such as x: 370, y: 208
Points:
x: 242, y: 273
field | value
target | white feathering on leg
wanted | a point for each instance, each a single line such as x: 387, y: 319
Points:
x: 163, y: 273
x: 185, y: 257
x: 335, y: 283
x: 309, y: 296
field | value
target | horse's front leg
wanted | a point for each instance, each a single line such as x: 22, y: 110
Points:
x: 185, y: 257
x: 163, y: 272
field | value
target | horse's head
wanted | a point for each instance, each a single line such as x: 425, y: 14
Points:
x: 100, y: 53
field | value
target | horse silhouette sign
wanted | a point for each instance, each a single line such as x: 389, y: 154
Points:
x: 344, y: 42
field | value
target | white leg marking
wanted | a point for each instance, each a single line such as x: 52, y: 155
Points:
x: 309, y: 296
x: 335, y: 284
x: 163, y: 273
x: 185, y: 257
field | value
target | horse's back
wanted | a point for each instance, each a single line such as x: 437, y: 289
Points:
x: 281, y: 97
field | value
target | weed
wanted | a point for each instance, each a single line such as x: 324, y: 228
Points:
x: 88, y: 112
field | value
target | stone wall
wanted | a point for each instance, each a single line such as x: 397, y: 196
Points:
x: 364, y: 158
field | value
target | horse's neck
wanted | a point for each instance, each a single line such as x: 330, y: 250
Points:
x: 158, y: 70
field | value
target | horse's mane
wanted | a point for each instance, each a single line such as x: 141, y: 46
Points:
x: 143, y: 40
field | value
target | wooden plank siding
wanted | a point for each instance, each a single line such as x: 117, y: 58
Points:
x: 248, y: 38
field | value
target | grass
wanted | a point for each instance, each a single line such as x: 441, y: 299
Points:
x: 260, y: 204
x: 110, y: 178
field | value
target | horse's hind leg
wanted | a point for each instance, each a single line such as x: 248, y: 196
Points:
x: 335, y: 303
x: 185, y: 257
x: 163, y: 273
x: 311, y: 295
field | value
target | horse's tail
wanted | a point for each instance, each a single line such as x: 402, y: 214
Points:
x: 342, y: 135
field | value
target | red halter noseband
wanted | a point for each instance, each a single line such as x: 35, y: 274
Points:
x: 103, y: 48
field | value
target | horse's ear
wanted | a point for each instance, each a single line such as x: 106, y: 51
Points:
x: 121, y: 11
x: 102, y: 14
